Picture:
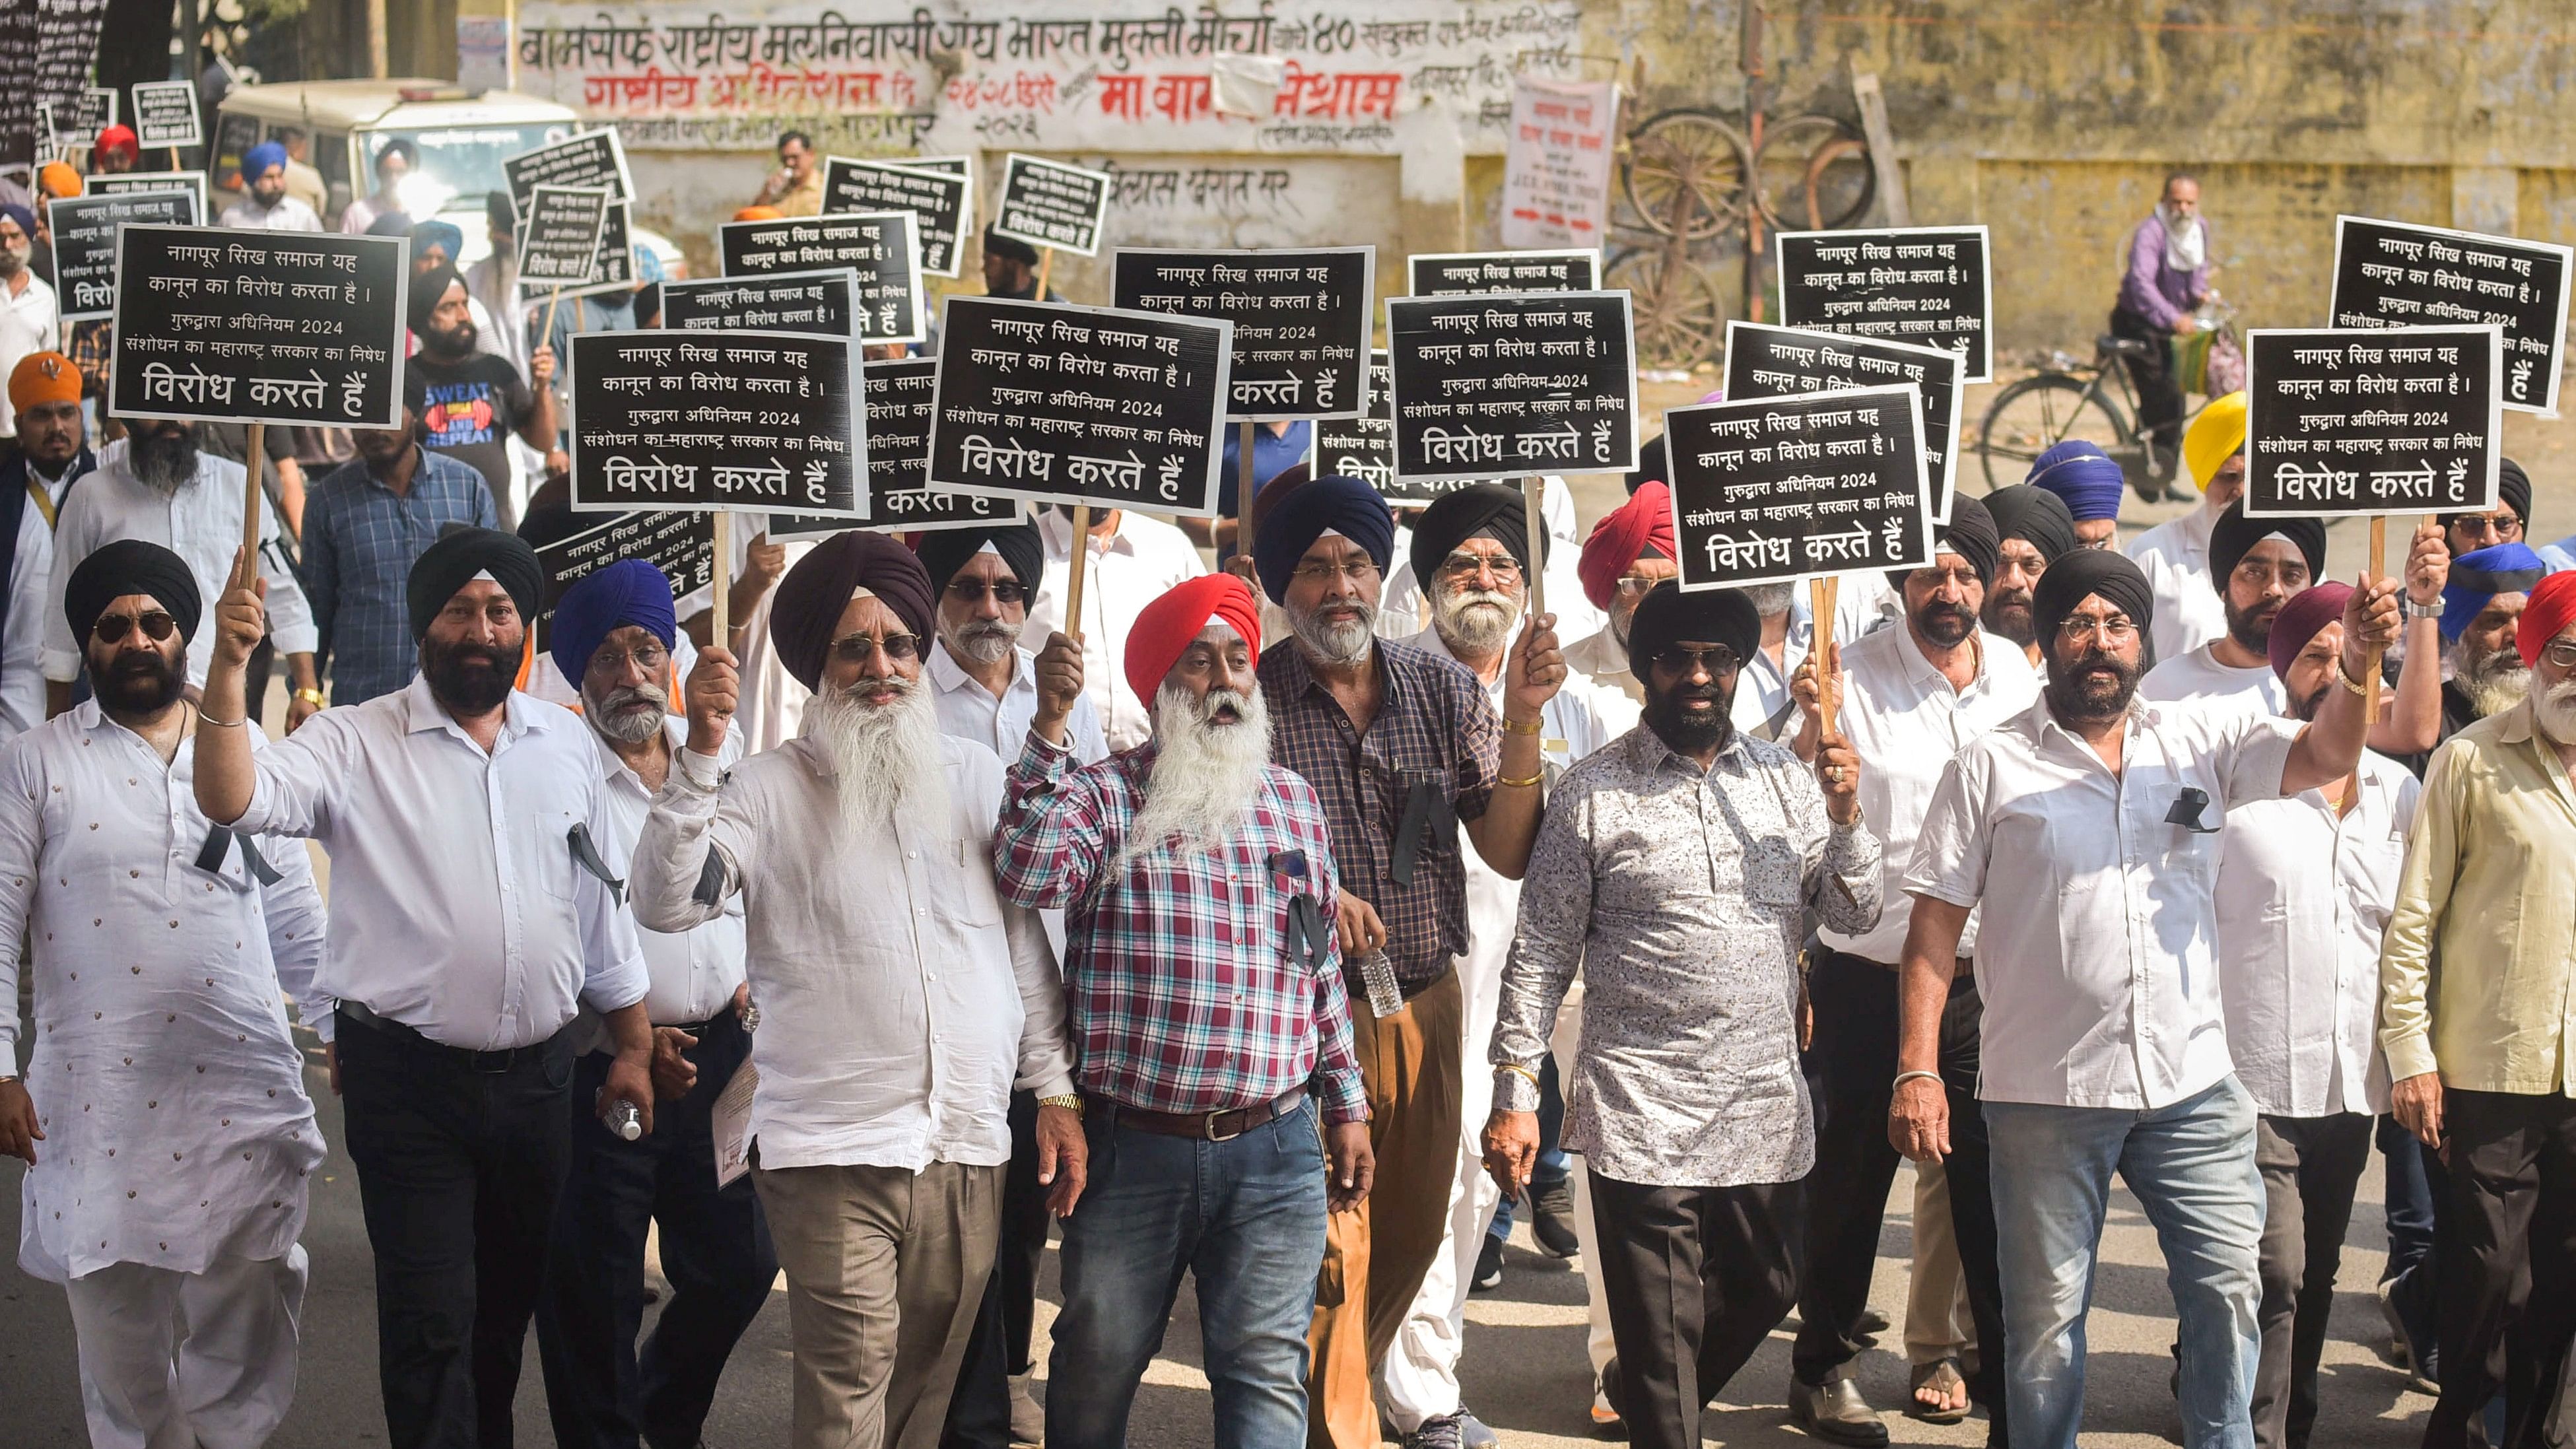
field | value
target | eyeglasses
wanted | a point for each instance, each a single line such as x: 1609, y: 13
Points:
x: 647, y: 659
x: 1681, y: 659
x: 1465, y: 565
x: 2504, y: 529
x: 1636, y: 586
x: 860, y: 648
x: 2115, y: 628
x: 972, y: 591
x: 2561, y: 653
x: 1359, y: 571
x: 112, y: 628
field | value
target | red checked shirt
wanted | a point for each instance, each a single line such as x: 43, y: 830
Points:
x: 1187, y: 985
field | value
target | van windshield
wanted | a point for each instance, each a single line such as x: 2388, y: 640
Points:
x: 458, y: 164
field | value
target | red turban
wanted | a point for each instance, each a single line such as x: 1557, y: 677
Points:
x: 1166, y: 626
x: 114, y: 139
x: 2549, y: 610
x: 1618, y: 541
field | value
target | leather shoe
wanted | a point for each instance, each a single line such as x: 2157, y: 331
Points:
x: 1835, y: 1412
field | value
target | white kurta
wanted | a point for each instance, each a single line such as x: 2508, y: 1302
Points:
x: 177, y: 1131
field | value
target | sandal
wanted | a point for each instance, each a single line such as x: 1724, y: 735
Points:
x: 1941, y: 1374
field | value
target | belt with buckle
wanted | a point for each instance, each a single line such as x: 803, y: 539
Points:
x: 474, y: 1061
x: 1209, y: 1126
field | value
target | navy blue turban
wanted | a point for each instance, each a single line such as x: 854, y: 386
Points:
x: 1345, y: 506
x: 627, y: 592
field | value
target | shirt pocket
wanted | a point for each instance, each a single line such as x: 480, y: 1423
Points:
x: 968, y: 900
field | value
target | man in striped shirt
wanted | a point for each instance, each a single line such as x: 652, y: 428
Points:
x: 1205, y: 994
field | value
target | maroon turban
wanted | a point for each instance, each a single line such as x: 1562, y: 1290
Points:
x: 2304, y: 617
x: 808, y: 605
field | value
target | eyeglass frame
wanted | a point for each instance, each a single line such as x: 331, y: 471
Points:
x: 128, y: 623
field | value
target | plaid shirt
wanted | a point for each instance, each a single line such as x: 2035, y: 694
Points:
x: 360, y: 541
x: 1186, y: 994
x: 1435, y: 728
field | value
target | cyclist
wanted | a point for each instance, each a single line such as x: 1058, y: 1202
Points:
x: 2166, y: 280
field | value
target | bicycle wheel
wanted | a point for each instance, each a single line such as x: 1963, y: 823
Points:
x: 1686, y: 172
x: 2037, y: 413
x: 1813, y: 174
x: 1680, y: 318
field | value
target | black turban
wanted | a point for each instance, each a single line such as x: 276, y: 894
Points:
x: 2513, y: 490
x: 944, y: 551
x: 460, y: 553
x: 2234, y: 536
x: 807, y: 607
x: 1668, y: 616
x: 1654, y: 465
x: 1479, y: 510
x: 1971, y: 535
x: 426, y: 289
x: 2088, y: 571
x: 2035, y: 516
x: 1340, y: 505
x: 998, y: 245
x: 131, y: 566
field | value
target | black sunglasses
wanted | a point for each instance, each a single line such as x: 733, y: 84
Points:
x: 112, y: 628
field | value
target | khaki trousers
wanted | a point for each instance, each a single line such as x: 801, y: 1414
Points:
x: 1374, y: 1258
x: 885, y: 1270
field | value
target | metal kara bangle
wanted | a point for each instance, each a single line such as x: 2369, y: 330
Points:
x: 204, y: 718
x: 1904, y: 1077
x: 1530, y: 782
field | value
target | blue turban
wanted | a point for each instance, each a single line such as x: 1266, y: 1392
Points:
x: 439, y: 234
x: 1345, y: 506
x: 2079, y: 473
x: 257, y: 160
x: 2480, y: 575
x: 629, y: 591
x: 25, y: 218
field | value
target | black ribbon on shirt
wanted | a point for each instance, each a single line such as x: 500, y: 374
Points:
x: 219, y: 843
x: 586, y: 855
x: 1307, y: 938
x: 710, y: 889
x: 2186, y: 811
x: 1426, y: 808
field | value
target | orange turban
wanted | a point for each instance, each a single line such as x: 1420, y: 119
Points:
x: 760, y: 213
x: 58, y: 180
x: 43, y: 377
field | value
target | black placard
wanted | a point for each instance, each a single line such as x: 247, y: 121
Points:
x: 1362, y: 447
x: 1784, y: 361
x: 133, y: 182
x: 1927, y: 285
x: 1503, y: 384
x: 901, y: 393
x: 84, y: 230
x: 615, y: 271
x: 2389, y: 420
x: 1448, y: 274
x: 1051, y: 204
x: 95, y: 111
x: 259, y: 327
x: 19, y: 139
x: 560, y: 236
x: 593, y: 158
x: 744, y: 422
x: 1054, y: 403
x: 681, y: 545
x: 1791, y: 487
x: 1301, y: 320
x: 165, y: 114
x: 879, y: 247
x: 2391, y: 274
x: 942, y: 203
x: 816, y: 303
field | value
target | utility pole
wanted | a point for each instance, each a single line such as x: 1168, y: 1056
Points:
x: 1750, y: 61
x: 379, y: 63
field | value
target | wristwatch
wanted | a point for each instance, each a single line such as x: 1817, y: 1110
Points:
x: 1069, y: 1102
x: 312, y: 697
x: 2415, y: 610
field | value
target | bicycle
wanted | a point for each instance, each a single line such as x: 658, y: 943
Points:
x: 2097, y: 403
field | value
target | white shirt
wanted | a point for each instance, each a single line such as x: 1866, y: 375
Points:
x: 456, y: 907
x: 201, y: 523
x: 1905, y: 722
x: 2175, y: 558
x: 969, y: 711
x: 492, y: 285
x: 1145, y: 559
x: 362, y: 213
x: 2097, y: 955
x: 901, y: 997
x: 692, y: 974
x: 2303, y: 898
x: 1601, y: 661
x: 2199, y: 677
x: 288, y: 215
x: 172, y: 1099
x: 22, y: 637
x: 30, y: 321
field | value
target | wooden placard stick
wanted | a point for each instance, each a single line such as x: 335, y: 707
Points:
x: 1077, y: 570
x: 722, y: 596
x: 1046, y: 264
x: 2370, y: 574
x: 250, y: 502
x: 546, y: 333
x: 1820, y: 604
x: 1534, y: 494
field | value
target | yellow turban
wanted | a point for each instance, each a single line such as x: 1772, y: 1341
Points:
x: 2215, y: 436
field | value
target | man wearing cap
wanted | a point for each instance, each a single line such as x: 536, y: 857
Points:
x: 1134, y: 560
x: 2508, y: 522
x: 471, y: 918
x: 2086, y: 480
x: 365, y: 523
x: 2308, y: 883
x: 30, y: 318
x: 2175, y: 555
x: 157, y: 484
x: 469, y: 403
x: 265, y: 204
x: 1673, y: 869
x: 1404, y: 749
x: 2477, y: 1046
x: 160, y: 949
x: 2032, y: 528
x: 901, y: 997
x: 1220, y: 1091
x: 612, y: 633
x: 44, y: 390
x: 1910, y: 699
x: 1011, y: 269
x: 2087, y: 829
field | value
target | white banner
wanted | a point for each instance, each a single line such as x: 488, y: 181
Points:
x: 1556, y: 164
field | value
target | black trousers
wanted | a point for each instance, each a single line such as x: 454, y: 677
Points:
x: 1695, y: 1279
x: 1851, y: 1071
x: 979, y: 1411
x: 2159, y: 395
x: 458, y: 1172
x: 601, y: 1392
x: 2507, y: 1246
x: 1972, y: 1201
x: 2310, y: 1166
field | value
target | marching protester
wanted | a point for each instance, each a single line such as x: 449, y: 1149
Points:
x: 2089, y: 483
x: 469, y: 403
x: 796, y: 187
x: 1404, y: 749
x: 1910, y: 698
x: 2482, y: 599
x: 613, y: 633
x: 2477, y: 1044
x: 2507, y: 522
x: 2254, y: 565
x: 1672, y: 868
x: 492, y: 284
x: 1220, y: 1091
x: 51, y: 456
x: 2085, y: 830
x: 469, y: 923
x: 2032, y: 528
x: 2165, y: 281
x: 2307, y: 887
x: 2175, y: 556
x: 116, y: 151
x: 901, y: 997
x: 1011, y: 272
x: 160, y: 948
x: 396, y: 158
x: 365, y: 524
x: 1133, y: 560
x: 30, y: 316
x: 265, y: 204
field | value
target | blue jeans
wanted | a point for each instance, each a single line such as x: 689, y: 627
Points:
x: 2191, y: 1165
x: 1246, y: 1217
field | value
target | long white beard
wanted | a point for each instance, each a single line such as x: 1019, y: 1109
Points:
x: 1476, y: 622
x: 1205, y: 776
x: 2554, y: 710
x: 882, y: 754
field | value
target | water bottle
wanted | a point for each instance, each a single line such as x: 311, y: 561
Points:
x: 625, y: 1121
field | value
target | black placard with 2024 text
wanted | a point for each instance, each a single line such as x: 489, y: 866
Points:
x: 259, y: 326
x: 745, y: 422
x: 2388, y: 420
x: 84, y: 230
x: 1782, y: 361
x: 942, y: 203
x: 1927, y: 285
x: 1301, y: 320
x: 1790, y: 487
x: 2390, y: 274
x: 1504, y: 384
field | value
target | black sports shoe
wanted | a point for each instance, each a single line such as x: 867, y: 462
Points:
x: 1489, y: 1266
x: 1552, y: 1221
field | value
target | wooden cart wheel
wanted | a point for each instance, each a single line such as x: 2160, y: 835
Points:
x: 1680, y: 318
x: 1814, y: 173
x: 1685, y: 173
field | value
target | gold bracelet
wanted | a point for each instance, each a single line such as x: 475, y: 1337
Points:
x: 1522, y: 1070
x: 2347, y: 681
x: 1535, y: 780
x: 1070, y: 1101
x: 312, y: 697
x: 1533, y: 727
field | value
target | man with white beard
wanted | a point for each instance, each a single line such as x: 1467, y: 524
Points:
x: 901, y: 997
x: 1205, y: 986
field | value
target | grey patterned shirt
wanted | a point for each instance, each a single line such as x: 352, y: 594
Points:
x: 1680, y: 893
